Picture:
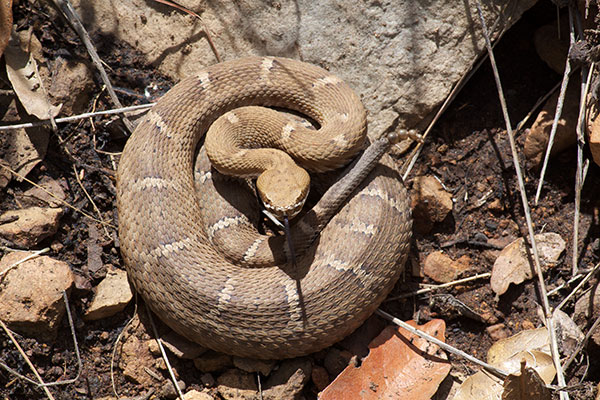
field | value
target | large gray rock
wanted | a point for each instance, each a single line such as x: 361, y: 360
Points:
x: 401, y: 56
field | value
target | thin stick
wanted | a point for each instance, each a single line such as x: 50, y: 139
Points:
x: 204, y: 28
x: 91, y: 201
x: 558, y: 112
x: 56, y: 197
x: 581, y: 168
x: 579, y: 286
x: 496, y: 371
x: 37, y: 375
x: 536, y: 259
x: 114, y: 351
x: 77, y: 353
x: 164, y: 355
x: 436, y: 287
x: 581, y: 345
x: 27, y: 258
x: 77, y: 117
x: 71, y: 15
x: 75, y: 344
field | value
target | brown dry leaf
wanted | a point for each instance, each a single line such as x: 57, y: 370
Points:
x: 531, y: 339
x: 6, y: 21
x: 480, y: 385
x: 512, y: 265
x: 507, y: 354
x: 400, y: 365
x: 527, y: 385
x: 22, y: 73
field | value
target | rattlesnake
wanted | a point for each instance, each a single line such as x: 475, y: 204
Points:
x: 251, y: 302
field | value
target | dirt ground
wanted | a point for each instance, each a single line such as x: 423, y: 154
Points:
x: 468, y: 151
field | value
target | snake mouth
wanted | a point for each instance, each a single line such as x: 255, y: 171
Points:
x: 281, y: 212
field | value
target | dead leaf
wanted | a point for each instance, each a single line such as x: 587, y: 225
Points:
x: 527, y: 385
x: 507, y: 354
x: 6, y: 21
x: 531, y: 339
x: 540, y: 361
x: 480, y: 385
x: 23, y: 75
x: 400, y: 365
x: 512, y: 265
x: 21, y: 149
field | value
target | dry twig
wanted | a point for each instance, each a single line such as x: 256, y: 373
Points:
x: 536, y: 259
x: 71, y: 15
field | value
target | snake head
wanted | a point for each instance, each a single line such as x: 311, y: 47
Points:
x: 283, y: 191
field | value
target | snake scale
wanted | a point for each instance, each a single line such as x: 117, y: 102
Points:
x: 186, y: 232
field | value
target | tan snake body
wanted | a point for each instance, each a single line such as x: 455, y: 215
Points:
x: 252, y: 302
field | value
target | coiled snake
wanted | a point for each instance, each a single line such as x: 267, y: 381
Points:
x: 236, y: 292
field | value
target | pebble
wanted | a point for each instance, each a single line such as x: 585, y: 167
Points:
x: 112, y: 296
x: 497, y: 331
x: 441, y: 268
x: 31, y: 294
x: 430, y: 203
x: 29, y: 226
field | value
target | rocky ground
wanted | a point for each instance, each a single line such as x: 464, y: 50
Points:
x: 467, y: 210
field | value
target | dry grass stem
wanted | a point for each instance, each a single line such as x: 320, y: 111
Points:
x: 581, y: 168
x: 71, y: 15
x: 559, y: 108
x: 496, y: 371
x: 28, y: 361
x: 431, y: 288
x: 114, y: 350
x: 57, y: 198
x: 120, y: 110
x: 533, y: 248
x: 164, y: 355
x: 27, y: 258
x: 92, y: 202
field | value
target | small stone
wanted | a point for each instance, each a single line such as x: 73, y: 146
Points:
x: 29, y: 226
x: 181, y: 347
x: 38, y: 197
x: 527, y: 324
x: 288, y: 380
x: 495, y: 206
x: 441, y: 268
x: 491, y: 225
x: 212, y: 361
x: 336, y: 360
x: 136, y: 362
x: 196, y: 395
x: 253, y: 365
x: 112, y: 296
x: 430, y: 203
x: 207, y: 380
x: 320, y: 377
x: 168, y: 389
x: 497, y: 331
x: 31, y: 294
x: 153, y: 348
x: 234, y: 384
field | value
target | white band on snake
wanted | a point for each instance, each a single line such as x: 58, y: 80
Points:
x: 188, y: 235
